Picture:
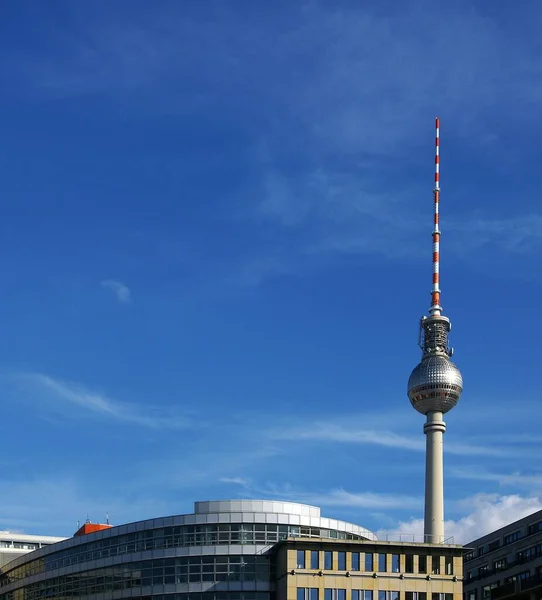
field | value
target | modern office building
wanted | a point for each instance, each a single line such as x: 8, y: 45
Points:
x: 237, y: 550
x: 13, y: 545
x: 506, y: 563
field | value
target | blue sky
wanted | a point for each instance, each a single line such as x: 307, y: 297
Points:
x: 215, y: 249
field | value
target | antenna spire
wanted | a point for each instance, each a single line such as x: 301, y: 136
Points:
x: 436, y: 309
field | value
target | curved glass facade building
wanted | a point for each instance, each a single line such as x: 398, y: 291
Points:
x: 223, y: 551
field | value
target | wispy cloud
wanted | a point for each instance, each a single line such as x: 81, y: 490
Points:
x: 53, y: 391
x: 235, y: 481
x: 532, y: 482
x: 339, y: 497
x: 121, y: 291
x: 329, y: 431
x: 486, y: 512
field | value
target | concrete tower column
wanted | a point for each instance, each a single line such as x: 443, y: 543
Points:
x: 434, y: 430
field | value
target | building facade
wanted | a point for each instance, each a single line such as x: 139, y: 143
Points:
x: 236, y: 550
x: 13, y: 545
x: 506, y: 563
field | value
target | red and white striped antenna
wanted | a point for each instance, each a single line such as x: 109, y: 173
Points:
x: 435, y: 292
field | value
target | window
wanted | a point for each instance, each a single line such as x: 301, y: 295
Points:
x: 362, y: 594
x: 334, y: 594
x: 300, y: 559
x: 524, y: 575
x: 441, y: 596
x: 307, y: 593
x: 369, y: 562
x: 328, y: 560
x: 355, y: 561
x: 471, y: 595
x: 512, y: 537
x: 415, y: 596
x: 387, y: 595
x: 482, y: 550
x: 493, y: 545
x: 534, y: 528
x: 395, y: 563
x: 449, y: 565
x: 509, y: 579
x: 486, y: 590
x: 315, y: 559
x: 435, y: 561
x: 499, y: 565
x: 382, y: 563
x: 483, y: 569
x: 409, y: 563
x: 341, y: 561
x: 422, y: 563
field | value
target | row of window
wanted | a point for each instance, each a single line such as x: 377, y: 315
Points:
x: 195, y: 596
x: 509, y: 538
x: 341, y: 594
x: 525, y: 555
x: 176, y: 537
x: 177, y: 570
x: 354, y: 561
x: 486, y: 589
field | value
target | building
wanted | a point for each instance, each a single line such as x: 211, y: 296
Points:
x: 13, y: 545
x: 237, y: 550
x: 506, y: 563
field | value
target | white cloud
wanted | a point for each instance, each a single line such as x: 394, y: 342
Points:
x: 44, y: 387
x: 487, y: 512
x: 121, y: 291
x: 531, y: 482
x: 340, y: 497
x: 235, y: 480
x: 332, y: 432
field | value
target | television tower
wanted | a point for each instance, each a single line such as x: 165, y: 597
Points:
x: 435, y: 385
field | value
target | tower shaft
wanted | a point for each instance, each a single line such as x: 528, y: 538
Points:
x: 434, y: 430
x: 436, y: 384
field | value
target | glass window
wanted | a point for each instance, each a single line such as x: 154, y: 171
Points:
x: 512, y: 537
x: 362, y: 594
x: 493, y: 545
x: 500, y: 564
x: 307, y: 593
x: 300, y: 559
x: 334, y: 594
x: 382, y: 563
x: 315, y: 559
x: 388, y: 595
x: 415, y: 596
x: 328, y: 560
x: 341, y: 561
x: 486, y: 590
x: 471, y: 595
x: 395, y: 563
x: 422, y: 563
x: 328, y: 594
x: 524, y: 575
x: 449, y: 565
x: 435, y: 561
x: 369, y: 562
x: 355, y: 561
x: 409, y: 563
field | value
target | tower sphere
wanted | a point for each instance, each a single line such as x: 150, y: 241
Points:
x: 435, y: 385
